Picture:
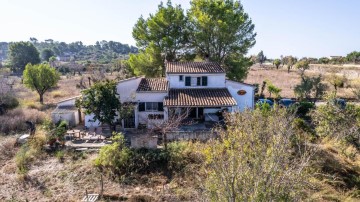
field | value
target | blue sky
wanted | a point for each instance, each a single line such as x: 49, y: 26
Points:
x: 285, y: 27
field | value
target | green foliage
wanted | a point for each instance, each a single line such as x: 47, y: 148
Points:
x: 40, y: 78
x: 337, y: 122
x: 237, y: 67
x: 22, y: 160
x: 22, y: 53
x: 255, y: 159
x: 60, y: 155
x: 101, y: 99
x: 7, y: 101
x: 120, y: 160
x: 324, y: 60
x: 222, y: 31
x: 353, y: 57
x: 166, y: 30
x: 290, y: 61
x: 148, y: 62
x: 277, y: 63
x: 302, y: 65
x: 310, y: 86
x: 46, y: 54
x: 337, y: 81
x: 302, y: 109
x: 272, y: 89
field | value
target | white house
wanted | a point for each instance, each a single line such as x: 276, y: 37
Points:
x: 67, y: 111
x: 199, y: 87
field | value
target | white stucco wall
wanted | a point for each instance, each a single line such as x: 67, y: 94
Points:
x: 214, y: 80
x: 89, y: 121
x: 243, y: 101
x: 127, y: 89
x: 72, y: 118
x: 148, y: 97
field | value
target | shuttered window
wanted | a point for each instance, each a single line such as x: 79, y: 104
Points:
x: 160, y: 106
x: 188, y: 81
x: 204, y: 81
x: 141, y: 106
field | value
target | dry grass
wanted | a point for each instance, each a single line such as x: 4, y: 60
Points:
x: 14, y: 120
x: 287, y: 81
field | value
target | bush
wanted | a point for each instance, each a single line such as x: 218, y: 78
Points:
x: 302, y: 108
x: 121, y: 160
x: 7, y: 102
x: 14, y: 120
x: 60, y: 155
x: 22, y: 160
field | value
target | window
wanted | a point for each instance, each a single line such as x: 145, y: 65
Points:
x: 141, y: 106
x: 196, y: 81
x: 151, y: 106
x: 188, y: 81
x: 181, y: 78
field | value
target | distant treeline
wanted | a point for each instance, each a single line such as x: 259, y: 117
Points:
x: 103, y: 51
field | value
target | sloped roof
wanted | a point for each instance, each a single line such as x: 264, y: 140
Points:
x: 64, y: 109
x: 193, y: 67
x: 205, y: 97
x: 153, y: 84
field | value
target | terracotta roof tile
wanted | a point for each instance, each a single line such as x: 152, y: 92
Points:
x: 153, y: 84
x: 193, y: 67
x: 199, y: 97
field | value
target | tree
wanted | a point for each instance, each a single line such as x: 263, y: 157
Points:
x: 165, y: 31
x: 220, y: 30
x: 353, y: 57
x: 148, y: 62
x: 237, y: 67
x: 261, y: 58
x: 40, y: 78
x: 101, y: 100
x: 22, y: 53
x: 52, y: 61
x: 324, y: 60
x: 272, y: 89
x: 290, y: 61
x: 277, y: 63
x: 336, y: 81
x: 258, y: 157
x: 302, y: 65
x: 46, y: 54
x: 310, y: 86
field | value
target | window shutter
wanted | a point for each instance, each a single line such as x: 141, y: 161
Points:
x: 181, y: 78
x: 141, y: 106
x: 160, y: 106
x: 204, y: 80
x: 198, y: 82
x: 187, y: 81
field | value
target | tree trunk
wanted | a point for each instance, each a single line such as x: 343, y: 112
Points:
x: 41, y: 98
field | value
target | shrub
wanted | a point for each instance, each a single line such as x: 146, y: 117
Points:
x: 121, y: 160
x: 7, y: 102
x: 14, y: 120
x: 7, y: 149
x: 60, y: 155
x: 22, y: 159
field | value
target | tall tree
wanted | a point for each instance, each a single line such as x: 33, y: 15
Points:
x: 165, y: 31
x: 261, y: 58
x: 46, y: 54
x: 220, y: 29
x: 22, y: 53
x: 40, y: 78
x: 101, y: 99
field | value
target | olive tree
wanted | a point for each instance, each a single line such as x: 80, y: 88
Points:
x: 40, y: 78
